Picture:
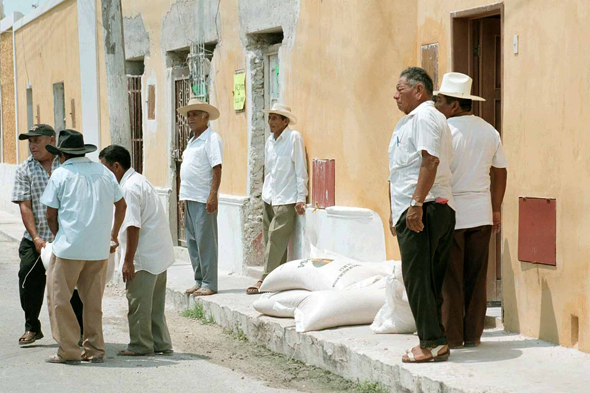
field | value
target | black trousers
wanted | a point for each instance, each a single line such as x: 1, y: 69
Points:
x: 31, y: 283
x: 425, y: 258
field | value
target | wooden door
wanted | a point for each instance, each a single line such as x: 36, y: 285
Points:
x: 487, y: 83
x: 182, y: 89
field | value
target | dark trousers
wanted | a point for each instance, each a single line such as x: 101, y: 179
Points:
x: 31, y: 283
x: 464, y: 289
x: 425, y: 258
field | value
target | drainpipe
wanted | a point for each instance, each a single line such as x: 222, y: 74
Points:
x: 15, y: 95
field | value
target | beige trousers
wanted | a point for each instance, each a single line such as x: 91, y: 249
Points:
x: 63, y: 276
x: 277, y: 225
x: 148, y: 331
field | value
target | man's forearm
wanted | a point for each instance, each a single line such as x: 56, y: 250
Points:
x: 500, y: 178
x: 216, y: 182
x: 120, y: 207
x: 426, y: 177
x: 132, y: 242
x: 28, y: 219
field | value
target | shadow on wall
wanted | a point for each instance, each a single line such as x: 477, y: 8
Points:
x: 548, y: 324
x: 510, y: 315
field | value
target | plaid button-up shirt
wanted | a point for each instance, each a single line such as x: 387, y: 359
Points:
x: 30, y: 181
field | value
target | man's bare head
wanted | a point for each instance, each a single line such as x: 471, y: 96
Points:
x: 413, y: 88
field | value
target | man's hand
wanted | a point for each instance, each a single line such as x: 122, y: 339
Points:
x: 391, y: 226
x: 414, y: 219
x: 128, y: 271
x: 497, y: 222
x: 114, y: 243
x: 300, y: 208
x: 39, y: 244
x: 212, y: 203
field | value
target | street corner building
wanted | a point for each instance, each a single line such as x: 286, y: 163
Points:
x: 119, y: 74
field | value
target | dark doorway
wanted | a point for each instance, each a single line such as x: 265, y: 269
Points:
x: 477, y: 52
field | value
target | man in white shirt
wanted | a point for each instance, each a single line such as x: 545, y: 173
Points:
x: 79, y: 199
x: 285, y: 187
x: 147, y: 251
x: 477, y: 150
x: 200, y: 177
x: 422, y: 214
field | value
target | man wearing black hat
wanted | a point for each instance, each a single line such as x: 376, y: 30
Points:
x: 79, y: 199
x: 30, y: 181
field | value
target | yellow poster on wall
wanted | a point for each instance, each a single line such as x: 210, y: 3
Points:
x: 239, y: 90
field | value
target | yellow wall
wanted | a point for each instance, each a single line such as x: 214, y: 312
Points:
x: 105, y: 136
x: 340, y: 81
x: 545, y: 130
x: 43, y: 62
x: 7, y: 86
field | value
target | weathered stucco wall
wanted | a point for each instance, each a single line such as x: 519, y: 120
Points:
x: 340, y: 79
x: 543, y: 139
x: 59, y: 51
x: 7, y: 86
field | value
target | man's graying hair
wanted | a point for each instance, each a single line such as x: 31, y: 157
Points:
x: 417, y: 75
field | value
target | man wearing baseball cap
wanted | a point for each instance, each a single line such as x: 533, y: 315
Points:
x: 79, y: 199
x: 477, y: 152
x: 30, y: 181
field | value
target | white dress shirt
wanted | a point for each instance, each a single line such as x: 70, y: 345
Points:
x: 285, y: 181
x: 84, y: 193
x: 425, y: 128
x: 196, y: 171
x: 155, y: 251
x: 476, y: 148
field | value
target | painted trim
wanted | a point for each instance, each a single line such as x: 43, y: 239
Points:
x: 353, y: 213
x: 15, y: 97
x: 89, y: 76
x: 9, y: 21
x: 37, y: 12
x: 233, y: 200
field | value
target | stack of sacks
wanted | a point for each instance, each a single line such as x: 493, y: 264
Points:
x: 322, y: 293
x: 395, y: 316
x: 46, y: 253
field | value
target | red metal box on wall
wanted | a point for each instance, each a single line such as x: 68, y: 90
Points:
x: 537, y: 230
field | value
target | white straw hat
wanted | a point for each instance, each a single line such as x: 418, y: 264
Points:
x: 198, y: 105
x: 455, y: 84
x: 282, y: 110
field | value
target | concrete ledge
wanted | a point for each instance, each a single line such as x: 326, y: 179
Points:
x: 504, y: 362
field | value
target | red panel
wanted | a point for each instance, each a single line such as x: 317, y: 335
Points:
x: 323, y: 187
x: 537, y: 227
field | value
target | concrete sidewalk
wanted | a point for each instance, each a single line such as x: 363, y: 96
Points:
x: 505, y: 362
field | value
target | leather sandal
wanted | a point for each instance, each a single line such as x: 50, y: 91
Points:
x: 192, y: 289
x: 254, y: 289
x: 204, y: 292
x: 58, y: 360
x: 29, y: 337
x: 435, y: 355
x: 131, y: 353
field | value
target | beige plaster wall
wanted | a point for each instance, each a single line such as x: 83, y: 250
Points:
x: 340, y: 79
x: 545, y: 131
x: 43, y: 62
x: 7, y: 86
x: 232, y: 127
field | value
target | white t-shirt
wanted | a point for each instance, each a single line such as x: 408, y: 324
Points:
x: 425, y: 128
x: 155, y: 250
x: 196, y: 171
x: 476, y: 148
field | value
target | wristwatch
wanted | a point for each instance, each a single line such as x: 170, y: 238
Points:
x: 416, y: 203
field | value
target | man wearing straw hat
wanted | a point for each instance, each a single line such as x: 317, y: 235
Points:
x: 477, y: 151
x: 30, y: 181
x: 200, y: 177
x: 285, y: 187
x: 79, y: 199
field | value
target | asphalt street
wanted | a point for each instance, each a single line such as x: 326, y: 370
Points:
x: 23, y: 369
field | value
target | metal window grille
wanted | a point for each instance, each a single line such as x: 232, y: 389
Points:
x: 135, y: 117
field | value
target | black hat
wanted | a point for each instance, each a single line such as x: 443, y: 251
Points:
x: 38, y: 130
x: 70, y: 142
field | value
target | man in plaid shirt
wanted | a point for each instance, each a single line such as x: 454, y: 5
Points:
x: 30, y: 181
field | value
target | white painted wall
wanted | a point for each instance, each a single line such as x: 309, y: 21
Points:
x: 230, y: 230
x: 7, y: 172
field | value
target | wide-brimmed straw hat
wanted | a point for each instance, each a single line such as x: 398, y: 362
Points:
x: 282, y: 110
x: 455, y: 84
x: 70, y: 142
x: 198, y: 105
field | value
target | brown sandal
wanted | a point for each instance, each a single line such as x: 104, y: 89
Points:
x: 435, y: 355
x: 131, y: 353
x: 29, y: 337
x: 254, y: 289
x: 204, y: 292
